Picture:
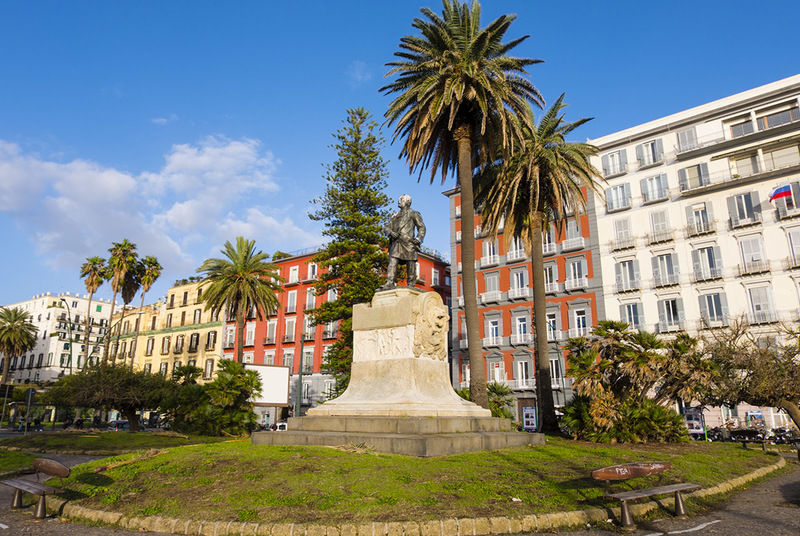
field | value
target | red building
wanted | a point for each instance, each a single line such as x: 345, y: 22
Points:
x: 287, y: 338
x: 505, y: 301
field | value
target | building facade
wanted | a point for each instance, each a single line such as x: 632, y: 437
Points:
x: 287, y: 338
x: 505, y: 301
x: 61, y: 338
x: 689, y: 239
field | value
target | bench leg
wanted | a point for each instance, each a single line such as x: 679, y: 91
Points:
x: 626, y: 519
x: 41, y: 508
x: 17, y: 502
x: 680, y: 508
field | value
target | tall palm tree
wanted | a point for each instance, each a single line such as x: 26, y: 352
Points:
x: 123, y: 258
x: 130, y: 286
x: 458, y: 90
x: 543, y: 180
x: 93, y: 274
x: 243, y: 282
x: 17, y: 336
x: 149, y: 272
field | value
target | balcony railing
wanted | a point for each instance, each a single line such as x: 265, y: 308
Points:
x: 573, y: 284
x: 522, y: 384
x: 626, y: 242
x: 701, y: 228
x: 613, y: 171
x: 458, y: 211
x: 572, y: 243
x: 707, y: 274
x: 308, y: 335
x: 628, y: 285
x: 719, y: 321
x: 554, y: 335
x: 491, y: 296
x: 548, y: 248
x: 617, y: 204
x: 463, y: 344
x: 579, y: 332
x: 288, y: 338
x: 666, y: 280
x: 659, y: 195
x: 786, y: 213
x: 754, y: 267
x: 269, y: 339
x: 751, y: 219
x: 291, y: 308
x: 660, y: 236
x: 227, y: 345
x: 762, y: 317
x: 490, y: 260
x: 329, y: 334
x: 492, y: 341
x: 517, y: 293
x: 552, y: 288
x: 515, y: 255
x: 521, y: 338
x: 793, y: 263
x: 670, y: 326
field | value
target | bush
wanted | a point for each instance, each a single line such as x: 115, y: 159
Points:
x: 632, y: 422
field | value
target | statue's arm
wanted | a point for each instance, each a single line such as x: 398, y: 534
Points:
x: 420, y: 227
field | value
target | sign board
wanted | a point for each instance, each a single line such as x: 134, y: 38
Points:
x: 30, y: 396
x: 274, y: 385
x: 755, y: 419
x: 693, y: 417
x: 529, y: 419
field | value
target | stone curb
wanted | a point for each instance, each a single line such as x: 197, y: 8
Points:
x: 481, y: 526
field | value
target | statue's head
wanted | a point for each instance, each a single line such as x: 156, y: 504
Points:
x: 404, y: 201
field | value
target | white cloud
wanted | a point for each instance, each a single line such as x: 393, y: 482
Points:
x: 358, y: 74
x: 160, y: 121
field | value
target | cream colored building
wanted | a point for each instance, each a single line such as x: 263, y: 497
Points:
x: 174, y: 332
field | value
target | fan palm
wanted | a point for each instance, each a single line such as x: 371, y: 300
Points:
x: 93, y: 274
x: 542, y: 181
x: 123, y: 258
x: 17, y: 336
x: 458, y: 90
x: 242, y: 283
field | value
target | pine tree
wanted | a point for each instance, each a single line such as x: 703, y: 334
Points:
x: 354, y: 209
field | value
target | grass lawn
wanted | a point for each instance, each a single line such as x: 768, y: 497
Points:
x: 238, y: 481
x: 14, y: 461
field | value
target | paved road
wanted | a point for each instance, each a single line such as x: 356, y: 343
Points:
x: 771, y: 508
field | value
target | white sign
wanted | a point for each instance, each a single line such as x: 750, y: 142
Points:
x: 274, y: 385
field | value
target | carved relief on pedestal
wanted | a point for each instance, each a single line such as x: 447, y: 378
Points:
x: 430, y: 327
x: 382, y: 343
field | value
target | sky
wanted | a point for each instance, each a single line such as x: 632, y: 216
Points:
x: 180, y: 125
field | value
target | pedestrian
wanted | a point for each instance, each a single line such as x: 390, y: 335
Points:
x: 37, y: 424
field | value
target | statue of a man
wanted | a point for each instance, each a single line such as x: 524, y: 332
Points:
x: 404, y: 243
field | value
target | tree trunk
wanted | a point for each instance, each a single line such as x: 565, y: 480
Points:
x: 793, y: 411
x: 119, y: 333
x: 133, y: 419
x: 88, y: 331
x: 477, y: 365
x: 6, y: 364
x: 240, y: 333
x: 544, y: 390
x: 107, y: 337
x: 139, y: 321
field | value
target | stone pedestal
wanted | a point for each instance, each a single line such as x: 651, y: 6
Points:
x: 399, y: 398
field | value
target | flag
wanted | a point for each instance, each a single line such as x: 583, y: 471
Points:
x: 780, y: 191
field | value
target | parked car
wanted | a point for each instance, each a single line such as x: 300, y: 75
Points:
x: 124, y: 425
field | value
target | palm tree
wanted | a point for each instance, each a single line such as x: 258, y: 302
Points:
x: 93, y: 274
x: 542, y: 181
x: 242, y: 283
x: 459, y: 90
x: 123, y: 258
x: 130, y: 286
x: 17, y: 336
x: 149, y: 272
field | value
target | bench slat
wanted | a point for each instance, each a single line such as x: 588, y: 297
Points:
x: 630, y: 470
x: 51, y: 467
x: 649, y: 492
x: 30, y: 487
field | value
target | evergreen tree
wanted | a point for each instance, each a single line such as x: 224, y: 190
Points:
x: 354, y: 209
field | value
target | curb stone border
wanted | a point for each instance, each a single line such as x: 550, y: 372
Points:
x: 481, y: 526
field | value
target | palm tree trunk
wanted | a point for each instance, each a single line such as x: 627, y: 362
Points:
x: 544, y: 392
x: 6, y: 364
x: 240, y: 334
x: 138, y: 327
x: 477, y: 365
x: 119, y: 333
x: 107, y: 338
x: 88, y: 331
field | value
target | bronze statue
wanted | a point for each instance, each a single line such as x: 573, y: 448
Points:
x: 404, y: 243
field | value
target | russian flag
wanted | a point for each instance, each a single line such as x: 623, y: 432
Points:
x: 780, y: 191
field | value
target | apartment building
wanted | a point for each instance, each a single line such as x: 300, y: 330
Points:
x: 61, y: 337
x: 505, y: 301
x: 173, y: 332
x: 689, y: 237
x: 289, y: 339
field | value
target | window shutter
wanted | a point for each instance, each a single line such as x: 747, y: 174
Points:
x: 662, y: 180
x: 703, y: 307
x: 696, y: 260
x: 656, y: 274
x: 627, y: 189
x: 717, y: 257
x: 643, y: 184
x: 605, y: 165
x: 756, y: 201
x: 622, y: 316
x: 704, y: 179
x: 679, y: 304
x: 662, y: 316
x: 689, y: 216
x: 618, y: 271
x: 623, y: 159
x: 636, y: 269
x: 723, y: 301
x: 709, y: 211
x: 640, y: 154
x: 639, y: 316
x: 674, y: 258
x: 659, y: 150
x: 732, y: 212
x: 682, y: 179
x: 796, y: 193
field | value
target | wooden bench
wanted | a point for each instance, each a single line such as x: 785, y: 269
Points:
x: 628, y: 471
x: 41, y: 466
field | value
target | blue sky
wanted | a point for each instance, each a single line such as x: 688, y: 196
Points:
x: 180, y: 125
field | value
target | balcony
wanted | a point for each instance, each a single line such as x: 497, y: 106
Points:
x: 548, y: 248
x: 522, y: 384
x: 490, y: 260
x: 628, y: 285
x: 552, y: 288
x: 762, y: 317
x: 226, y: 345
x: 192, y: 348
x: 655, y: 197
x: 626, y: 242
x: 666, y: 280
x: 291, y: 308
x: 615, y: 171
x: 785, y: 213
x: 461, y: 301
x: 458, y: 211
x: 489, y: 342
x: 330, y: 334
x: 308, y: 335
x: 579, y: 332
x: 649, y: 160
x: 616, y: 204
x: 463, y: 344
x: 515, y: 255
x: 670, y: 326
x: 707, y: 274
x: 458, y: 237
x: 269, y: 339
x: 288, y: 338
x: 754, y: 267
x: 701, y: 228
x: 554, y: 335
x: 576, y: 283
x: 571, y: 244
x: 518, y: 293
x: 719, y: 321
x: 177, y: 349
x: 660, y: 236
x: 521, y: 338
x: 793, y: 263
x: 751, y: 219
x: 491, y: 296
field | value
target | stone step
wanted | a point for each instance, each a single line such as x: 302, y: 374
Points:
x: 399, y: 425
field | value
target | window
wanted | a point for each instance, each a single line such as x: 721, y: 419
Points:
x: 556, y: 373
x: 194, y: 342
x: 707, y: 263
x: 169, y: 320
x: 163, y: 369
x: 171, y: 301
x: 308, y: 360
x: 714, y: 309
x: 615, y: 163
x: 148, y: 349
x: 781, y: 158
x: 744, y: 209
x: 794, y: 248
x: 745, y: 167
x: 655, y: 188
x: 650, y: 152
x: 250, y: 334
x: 632, y: 314
x: 230, y: 336
x: 548, y: 241
x: 247, y: 357
x: 199, y: 297
x: 670, y: 315
x: 700, y: 219
x: 183, y: 318
x: 148, y: 368
x: 552, y: 326
x: 687, y: 140
x: 269, y: 357
x: 289, y: 333
x: 789, y: 206
x: 197, y: 315
x: 288, y: 359
x: 622, y: 234
x: 165, y: 345
x: 618, y: 197
x: 659, y: 224
x: 574, y: 238
x: 627, y: 275
x: 330, y: 330
x: 312, y: 270
x: 179, y: 344
x: 208, y: 370
x: 524, y: 374
x: 761, y: 309
x: 576, y: 274
x: 752, y: 255
x: 776, y: 119
x: 519, y: 284
x: 551, y: 277
x: 493, y: 332
x: 665, y: 269
x: 492, y: 282
x: 294, y: 274
x: 742, y: 128
x: 694, y: 177
x: 580, y: 324
x: 489, y: 253
x: 211, y: 340
x: 272, y: 326
x: 153, y: 323
x: 308, y: 329
x: 516, y: 250
x: 291, y: 301
x: 435, y: 277
x: 497, y: 372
